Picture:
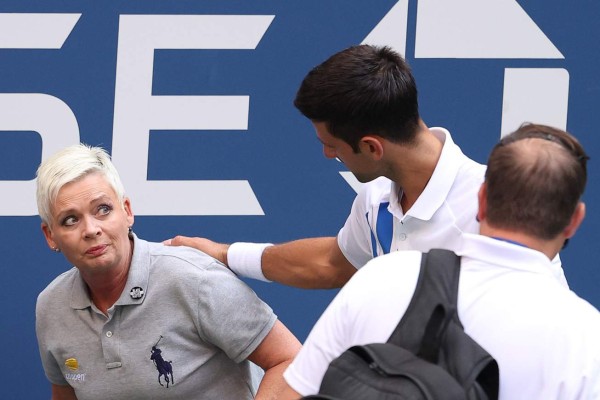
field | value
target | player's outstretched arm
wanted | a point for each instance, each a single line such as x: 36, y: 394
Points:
x: 314, y: 263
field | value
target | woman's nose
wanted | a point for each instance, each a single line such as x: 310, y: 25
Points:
x: 91, y: 227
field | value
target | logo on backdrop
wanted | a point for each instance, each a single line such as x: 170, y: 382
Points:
x: 464, y: 29
x: 472, y: 29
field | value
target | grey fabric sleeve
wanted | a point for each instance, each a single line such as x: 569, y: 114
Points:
x: 230, y: 314
x: 43, y: 324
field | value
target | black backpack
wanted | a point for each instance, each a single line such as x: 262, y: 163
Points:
x: 428, y: 356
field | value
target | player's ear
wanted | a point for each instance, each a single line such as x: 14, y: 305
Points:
x: 371, y: 145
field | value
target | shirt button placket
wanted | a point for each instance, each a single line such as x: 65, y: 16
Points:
x: 110, y: 343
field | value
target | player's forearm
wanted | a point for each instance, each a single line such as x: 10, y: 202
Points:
x: 315, y: 263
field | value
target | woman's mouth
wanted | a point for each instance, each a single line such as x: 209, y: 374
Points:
x: 96, y: 250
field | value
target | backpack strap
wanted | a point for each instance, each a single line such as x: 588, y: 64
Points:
x: 431, y: 321
x: 437, y: 286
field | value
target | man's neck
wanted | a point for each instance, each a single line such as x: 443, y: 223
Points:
x: 413, y: 166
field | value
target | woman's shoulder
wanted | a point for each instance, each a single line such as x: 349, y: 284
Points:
x: 184, y: 260
x: 60, y: 287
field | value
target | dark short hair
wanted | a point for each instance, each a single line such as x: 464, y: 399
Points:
x: 535, y: 178
x: 359, y: 91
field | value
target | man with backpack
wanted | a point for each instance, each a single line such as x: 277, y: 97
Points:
x: 544, y: 338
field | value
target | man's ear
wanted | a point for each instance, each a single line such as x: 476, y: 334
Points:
x: 482, y: 198
x: 371, y: 145
x: 576, y: 220
x: 48, y: 235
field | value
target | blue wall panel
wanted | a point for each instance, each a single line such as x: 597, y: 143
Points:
x: 300, y: 193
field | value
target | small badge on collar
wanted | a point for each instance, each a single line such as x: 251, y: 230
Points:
x: 136, y: 293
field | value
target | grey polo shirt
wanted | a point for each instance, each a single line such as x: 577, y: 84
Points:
x: 184, y: 309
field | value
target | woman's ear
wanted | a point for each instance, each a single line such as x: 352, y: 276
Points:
x: 128, y: 211
x: 48, y: 235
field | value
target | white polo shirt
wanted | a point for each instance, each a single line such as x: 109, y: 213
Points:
x: 446, y: 208
x: 543, y: 336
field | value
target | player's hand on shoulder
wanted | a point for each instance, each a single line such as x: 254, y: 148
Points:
x: 213, y: 249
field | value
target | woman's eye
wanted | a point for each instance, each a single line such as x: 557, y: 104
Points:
x: 69, y: 221
x: 104, y: 209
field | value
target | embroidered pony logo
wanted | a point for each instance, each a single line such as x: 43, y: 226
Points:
x: 163, y: 367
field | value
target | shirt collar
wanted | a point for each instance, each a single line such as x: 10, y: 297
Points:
x: 440, y: 183
x: 508, y: 255
x: 139, y: 272
x: 137, y: 278
x: 80, y: 298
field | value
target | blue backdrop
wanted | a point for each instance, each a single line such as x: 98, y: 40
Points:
x: 194, y: 101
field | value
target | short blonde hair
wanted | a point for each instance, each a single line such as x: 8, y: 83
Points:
x: 69, y: 165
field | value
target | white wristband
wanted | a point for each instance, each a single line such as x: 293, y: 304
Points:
x: 245, y: 259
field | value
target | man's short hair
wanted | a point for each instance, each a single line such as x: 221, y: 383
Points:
x: 535, y: 178
x: 362, y: 90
